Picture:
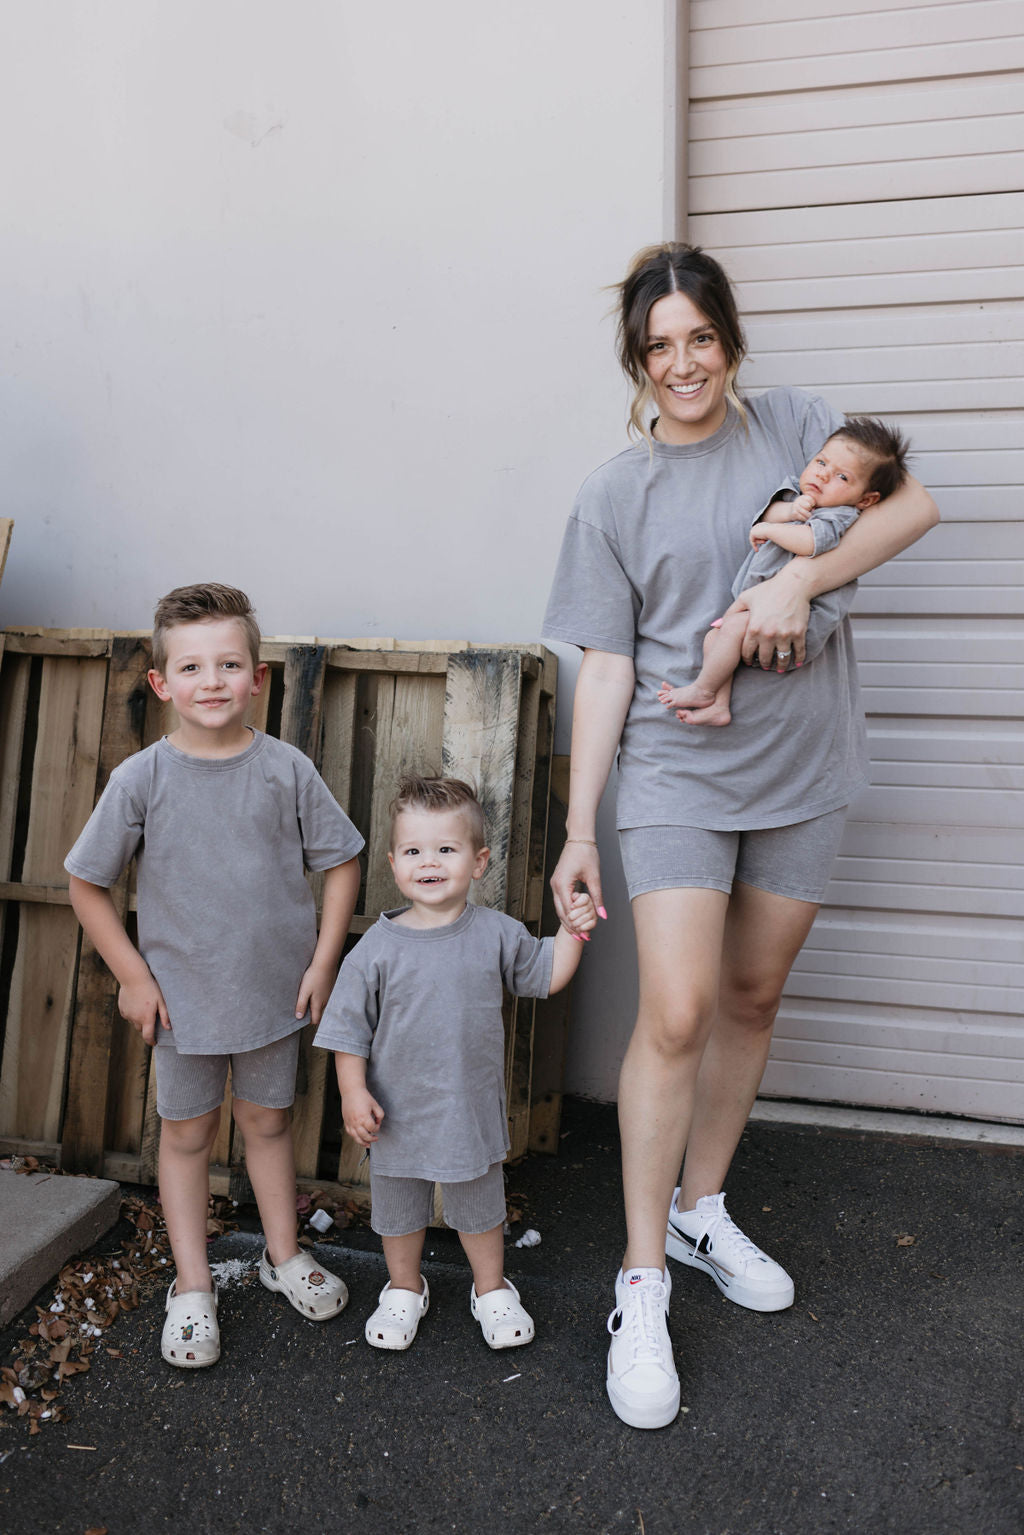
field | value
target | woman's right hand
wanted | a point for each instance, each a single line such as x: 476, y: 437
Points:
x: 578, y: 865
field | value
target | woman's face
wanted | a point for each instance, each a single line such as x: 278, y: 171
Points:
x: 687, y: 366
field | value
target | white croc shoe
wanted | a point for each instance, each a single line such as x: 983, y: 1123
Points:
x: 504, y: 1322
x: 393, y: 1325
x: 191, y: 1336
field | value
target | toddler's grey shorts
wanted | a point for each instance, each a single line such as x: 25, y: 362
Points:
x: 188, y: 1086
x: 794, y: 861
x: 400, y: 1206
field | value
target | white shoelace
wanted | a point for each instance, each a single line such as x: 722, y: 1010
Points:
x: 643, y: 1323
x: 726, y: 1237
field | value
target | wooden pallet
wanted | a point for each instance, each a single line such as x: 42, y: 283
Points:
x: 75, y: 1082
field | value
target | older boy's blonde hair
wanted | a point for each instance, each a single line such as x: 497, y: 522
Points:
x: 440, y: 794
x: 206, y: 602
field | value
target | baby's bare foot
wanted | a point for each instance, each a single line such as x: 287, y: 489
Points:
x: 715, y: 714
x: 693, y: 697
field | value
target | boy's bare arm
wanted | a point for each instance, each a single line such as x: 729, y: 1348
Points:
x: 792, y: 536
x: 361, y: 1112
x: 569, y: 946
x: 341, y: 887
x: 140, y: 999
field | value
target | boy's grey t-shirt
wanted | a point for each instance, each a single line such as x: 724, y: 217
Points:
x: 647, y: 563
x: 227, y: 921
x: 423, y: 1005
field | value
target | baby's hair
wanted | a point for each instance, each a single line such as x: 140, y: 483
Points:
x: 884, y: 444
x: 440, y: 794
x: 203, y: 603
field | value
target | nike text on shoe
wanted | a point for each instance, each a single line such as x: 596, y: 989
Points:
x: 707, y: 1238
x: 643, y: 1386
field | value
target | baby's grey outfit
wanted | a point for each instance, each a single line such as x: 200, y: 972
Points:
x: 646, y: 565
x: 827, y: 524
x: 227, y: 921
x: 423, y: 1007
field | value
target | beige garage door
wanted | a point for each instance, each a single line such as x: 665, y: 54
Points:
x: 859, y: 171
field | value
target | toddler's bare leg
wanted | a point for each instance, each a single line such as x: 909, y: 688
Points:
x: 270, y: 1164
x: 185, y: 1146
x: 486, y: 1254
x: 402, y: 1256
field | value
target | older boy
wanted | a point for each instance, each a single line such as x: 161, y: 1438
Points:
x: 221, y: 820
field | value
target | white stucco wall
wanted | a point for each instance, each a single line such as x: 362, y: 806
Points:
x: 308, y: 298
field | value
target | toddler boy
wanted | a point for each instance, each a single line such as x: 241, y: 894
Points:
x: 415, y: 1023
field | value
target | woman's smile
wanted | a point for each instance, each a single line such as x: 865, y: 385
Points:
x: 687, y: 367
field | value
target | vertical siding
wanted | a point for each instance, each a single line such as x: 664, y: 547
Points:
x: 860, y: 174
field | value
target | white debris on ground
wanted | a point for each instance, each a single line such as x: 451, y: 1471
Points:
x: 233, y: 1271
x: 529, y: 1238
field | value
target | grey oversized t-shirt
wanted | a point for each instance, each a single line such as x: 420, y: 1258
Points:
x: 423, y: 1006
x: 227, y: 921
x: 647, y: 563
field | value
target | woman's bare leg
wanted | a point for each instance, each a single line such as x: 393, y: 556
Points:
x: 679, y: 942
x: 763, y: 935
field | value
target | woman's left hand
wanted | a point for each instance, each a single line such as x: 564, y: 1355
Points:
x: 777, y: 624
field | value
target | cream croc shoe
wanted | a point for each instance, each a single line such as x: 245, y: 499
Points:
x: 314, y: 1291
x: 394, y: 1323
x: 503, y: 1321
x: 191, y: 1336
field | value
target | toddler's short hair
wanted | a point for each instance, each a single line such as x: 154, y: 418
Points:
x: 438, y: 794
x: 884, y: 444
x: 203, y: 603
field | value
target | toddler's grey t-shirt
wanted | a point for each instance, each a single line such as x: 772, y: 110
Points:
x: 646, y: 565
x: 227, y: 921
x: 423, y: 1005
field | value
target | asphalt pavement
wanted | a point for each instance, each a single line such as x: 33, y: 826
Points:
x: 889, y: 1398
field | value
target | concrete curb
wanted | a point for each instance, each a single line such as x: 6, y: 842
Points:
x: 44, y: 1220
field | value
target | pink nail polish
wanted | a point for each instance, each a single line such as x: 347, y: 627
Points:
x: 602, y: 913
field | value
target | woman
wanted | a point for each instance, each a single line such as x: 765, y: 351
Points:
x: 727, y: 835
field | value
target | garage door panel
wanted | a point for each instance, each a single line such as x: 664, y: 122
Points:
x: 739, y: 236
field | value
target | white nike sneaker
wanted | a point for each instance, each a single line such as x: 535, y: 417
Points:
x: 709, y: 1239
x: 643, y: 1386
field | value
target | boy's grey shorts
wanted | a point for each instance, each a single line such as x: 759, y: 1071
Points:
x: 188, y: 1086
x: 400, y: 1206
x: 794, y: 861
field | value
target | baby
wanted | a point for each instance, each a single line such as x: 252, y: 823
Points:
x: 861, y: 463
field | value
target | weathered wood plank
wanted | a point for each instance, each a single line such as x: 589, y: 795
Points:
x: 551, y: 1014
x: 85, y: 1122
x: 66, y: 749
x: 46, y: 895
x: 304, y: 668
x: 407, y: 730
x: 481, y: 726
x: 83, y: 643
x: 6, y: 529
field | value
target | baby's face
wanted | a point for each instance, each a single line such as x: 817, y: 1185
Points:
x: 838, y: 475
